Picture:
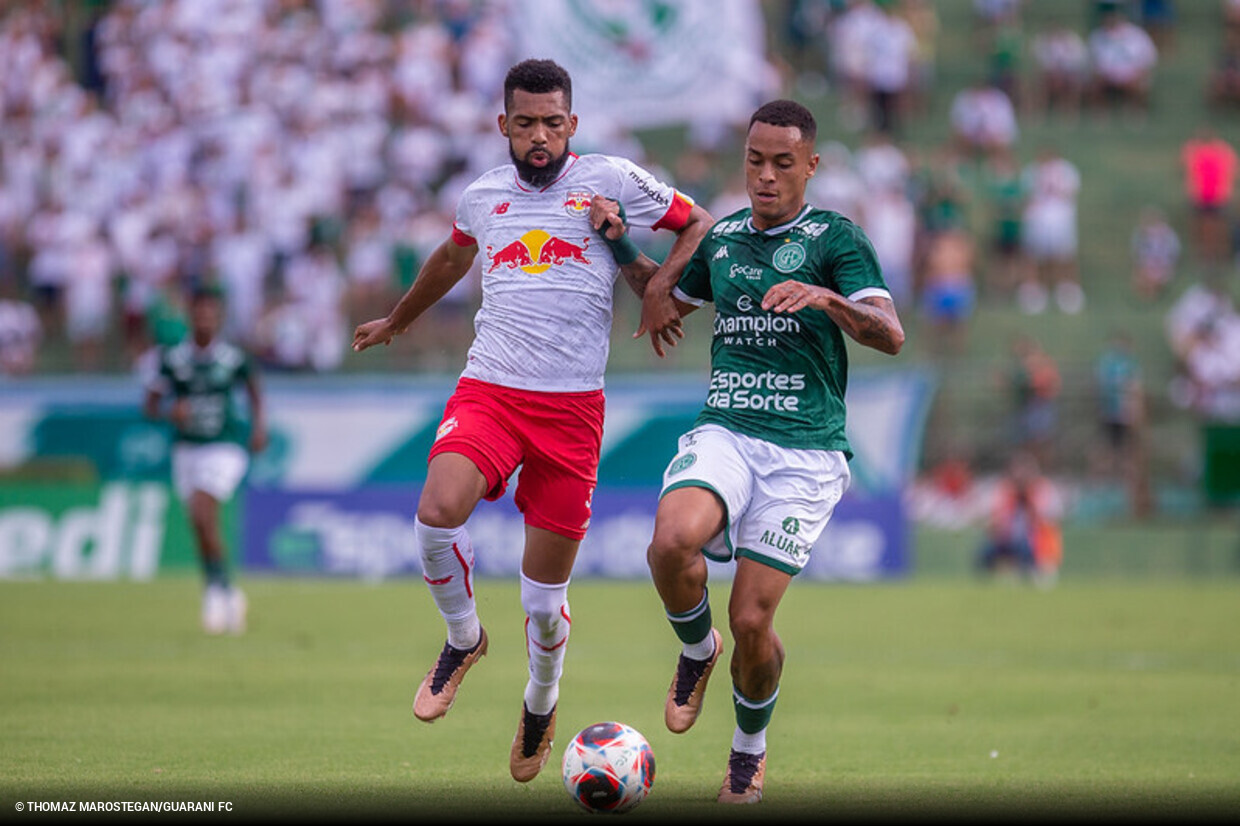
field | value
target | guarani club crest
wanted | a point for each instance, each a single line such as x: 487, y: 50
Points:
x: 682, y: 463
x: 789, y: 257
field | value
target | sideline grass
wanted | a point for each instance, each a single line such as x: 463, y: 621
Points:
x: 918, y: 700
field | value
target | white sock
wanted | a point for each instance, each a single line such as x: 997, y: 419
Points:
x: 448, y: 568
x: 749, y: 743
x: 703, y: 650
x: 546, y: 636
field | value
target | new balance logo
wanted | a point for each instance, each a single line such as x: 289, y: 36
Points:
x: 500, y: 209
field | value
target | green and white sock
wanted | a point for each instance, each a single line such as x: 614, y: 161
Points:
x: 693, y: 629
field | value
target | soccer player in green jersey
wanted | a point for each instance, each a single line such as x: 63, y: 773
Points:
x: 199, y: 375
x: 758, y: 476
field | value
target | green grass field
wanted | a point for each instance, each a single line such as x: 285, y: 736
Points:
x: 924, y: 699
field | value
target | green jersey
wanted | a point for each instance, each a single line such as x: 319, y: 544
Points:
x: 780, y: 377
x: 208, y: 378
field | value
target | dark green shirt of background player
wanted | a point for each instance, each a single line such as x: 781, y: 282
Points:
x: 780, y: 377
x: 207, y: 378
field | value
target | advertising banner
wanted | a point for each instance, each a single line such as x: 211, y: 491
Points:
x: 115, y: 530
x: 369, y: 533
x: 335, y: 491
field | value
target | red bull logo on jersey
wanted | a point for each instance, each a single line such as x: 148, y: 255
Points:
x: 577, y: 203
x: 537, y: 251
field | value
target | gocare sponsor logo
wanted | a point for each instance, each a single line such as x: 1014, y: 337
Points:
x: 651, y: 192
x: 755, y: 391
x: 745, y: 271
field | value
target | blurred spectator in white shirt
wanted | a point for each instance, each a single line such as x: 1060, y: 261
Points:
x: 1061, y: 72
x: 837, y: 185
x: 983, y: 120
x: 1122, y: 59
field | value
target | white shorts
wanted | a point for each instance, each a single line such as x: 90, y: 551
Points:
x: 778, y: 500
x: 216, y: 468
x: 1050, y: 237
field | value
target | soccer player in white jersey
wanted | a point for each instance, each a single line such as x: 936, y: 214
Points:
x: 531, y: 393
x: 758, y: 476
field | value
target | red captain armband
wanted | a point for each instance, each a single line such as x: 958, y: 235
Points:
x: 462, y: 239
x: 677, y: 214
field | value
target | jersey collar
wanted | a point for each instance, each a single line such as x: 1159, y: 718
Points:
x: 569, y: 164
x: 782, y: 227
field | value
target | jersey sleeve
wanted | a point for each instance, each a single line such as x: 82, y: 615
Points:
x: 464, y: 230
x: 850, y: 264
x: 694, y: 284
x: 649, y: 202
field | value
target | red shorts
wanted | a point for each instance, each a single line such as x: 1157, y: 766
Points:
x: 553, y: 437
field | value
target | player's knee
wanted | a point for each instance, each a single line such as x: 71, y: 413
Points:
x: 546, y: 605
x: 443, y: 512
x: 750, y: 626
x: 673, y: 543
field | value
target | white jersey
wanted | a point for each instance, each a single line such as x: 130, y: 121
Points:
x: 548, y: 279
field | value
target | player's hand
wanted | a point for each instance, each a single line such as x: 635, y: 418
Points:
x: 378, y: 331
x: 604, y: 212
x: 661, y: 321
x: 178, y: 414
x: 790, y: 296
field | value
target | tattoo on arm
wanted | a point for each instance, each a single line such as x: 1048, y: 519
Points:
x: 871, y: 322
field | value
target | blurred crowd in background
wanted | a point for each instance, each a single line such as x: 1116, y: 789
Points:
x: 307, y: 155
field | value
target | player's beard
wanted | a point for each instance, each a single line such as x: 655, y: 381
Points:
x: 538, y: 176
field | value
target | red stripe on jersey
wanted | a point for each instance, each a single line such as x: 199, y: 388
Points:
x: 462, y: 239
x: 677, y: 214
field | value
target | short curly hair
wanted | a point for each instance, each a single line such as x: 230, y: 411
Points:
x: 538, y: 77
x: 787, y: 113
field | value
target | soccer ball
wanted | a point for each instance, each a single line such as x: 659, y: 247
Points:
x: 608, y: 767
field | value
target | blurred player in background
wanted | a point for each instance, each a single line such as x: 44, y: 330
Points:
x: 199, y: 376
x: 531, y: 393
x: 758, y: 477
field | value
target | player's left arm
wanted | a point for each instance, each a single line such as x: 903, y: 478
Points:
x: 258, y: 413
x: 871, y: 321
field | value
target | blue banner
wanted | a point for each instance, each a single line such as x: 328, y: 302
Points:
x: 368, y: 533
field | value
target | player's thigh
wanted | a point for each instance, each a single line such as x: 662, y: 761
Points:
x: 454, y: 486
x: 712, y: 459
x: 794, y: 496
x: 474, y: 441
x: 562, y: 438
x: 687, y: 519
x: 215, y: 469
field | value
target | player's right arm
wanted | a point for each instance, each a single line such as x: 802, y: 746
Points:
x: 446, y: 266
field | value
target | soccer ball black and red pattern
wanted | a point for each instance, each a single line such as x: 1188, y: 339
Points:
x: 608, y: 767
